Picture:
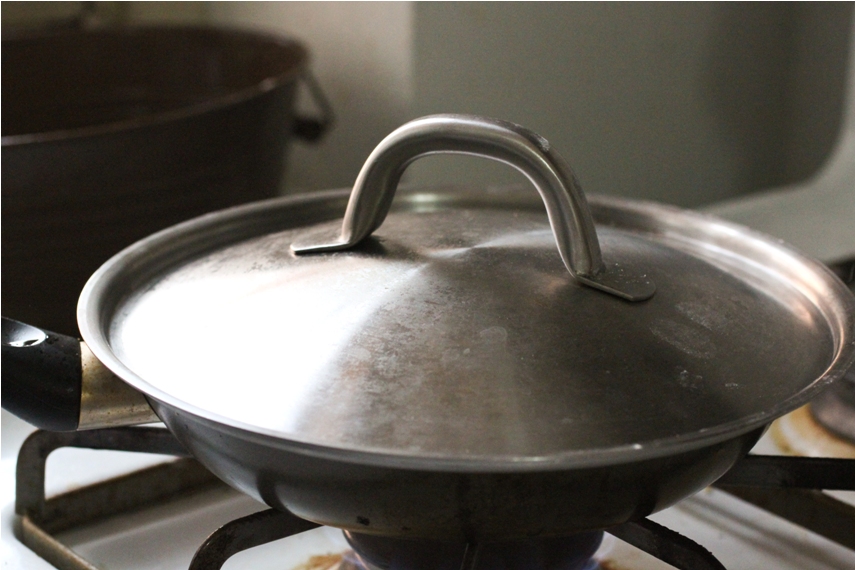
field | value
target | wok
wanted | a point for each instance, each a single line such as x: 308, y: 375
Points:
x: 446, y: 378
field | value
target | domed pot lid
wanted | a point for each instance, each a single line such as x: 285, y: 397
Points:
x: 472, y: 327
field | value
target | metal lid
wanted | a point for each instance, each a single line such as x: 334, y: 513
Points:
x: 455, y: 332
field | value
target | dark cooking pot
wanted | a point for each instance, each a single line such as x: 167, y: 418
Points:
x: 447, y: 377
x: 111, y: 135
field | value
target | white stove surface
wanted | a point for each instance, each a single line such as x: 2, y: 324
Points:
x: 741, y: 536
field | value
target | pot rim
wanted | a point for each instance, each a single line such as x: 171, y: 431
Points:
x: 191, y: 111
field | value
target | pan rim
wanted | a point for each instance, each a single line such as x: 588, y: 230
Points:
x: 93, y: 315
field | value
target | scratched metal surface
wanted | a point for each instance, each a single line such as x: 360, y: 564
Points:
x: 458, y: 333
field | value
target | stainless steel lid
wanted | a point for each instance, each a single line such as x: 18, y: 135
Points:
x: 455, y: 330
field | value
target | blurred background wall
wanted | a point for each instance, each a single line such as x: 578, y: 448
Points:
x: 684, y: 103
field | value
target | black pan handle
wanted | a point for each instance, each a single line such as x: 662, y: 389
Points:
x: 311, y: 129
x: 42, y: 376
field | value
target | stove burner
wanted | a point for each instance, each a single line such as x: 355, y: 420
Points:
x: 799, y: 433
x: 554, y: 553
x: 783, y: 485
x: 834, y: 409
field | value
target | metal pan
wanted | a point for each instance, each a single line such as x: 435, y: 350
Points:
x: 437, y: 368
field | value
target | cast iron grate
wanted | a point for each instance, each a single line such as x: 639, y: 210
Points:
x: 786, y: 486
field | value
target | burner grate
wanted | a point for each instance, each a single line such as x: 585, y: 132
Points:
x: 785, y: 486
x: 41, y: 518
x: 789, y: 487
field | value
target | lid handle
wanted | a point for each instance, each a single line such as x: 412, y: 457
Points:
x: 505, y: 142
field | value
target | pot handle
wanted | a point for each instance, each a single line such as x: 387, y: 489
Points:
x: 311, y: 129
x: 42, y: 376
x: 505, y: 142
x: 55, y: 383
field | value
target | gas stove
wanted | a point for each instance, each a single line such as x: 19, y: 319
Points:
x: 182, y: 507
x: 142, y: 509
x: 174, y: 514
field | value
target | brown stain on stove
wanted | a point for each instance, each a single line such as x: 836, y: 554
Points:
x: 798, y: 433
x: 609, y: 565
x: 323, y: 562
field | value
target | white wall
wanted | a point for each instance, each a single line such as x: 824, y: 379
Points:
x: 362, y: 56
x: 685, y: 103
x: 682, y: 102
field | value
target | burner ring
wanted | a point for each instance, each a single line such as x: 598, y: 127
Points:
x: 571, y: 552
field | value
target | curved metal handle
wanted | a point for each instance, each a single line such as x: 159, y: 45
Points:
x: 312, y: 129
x: 505, y: 142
